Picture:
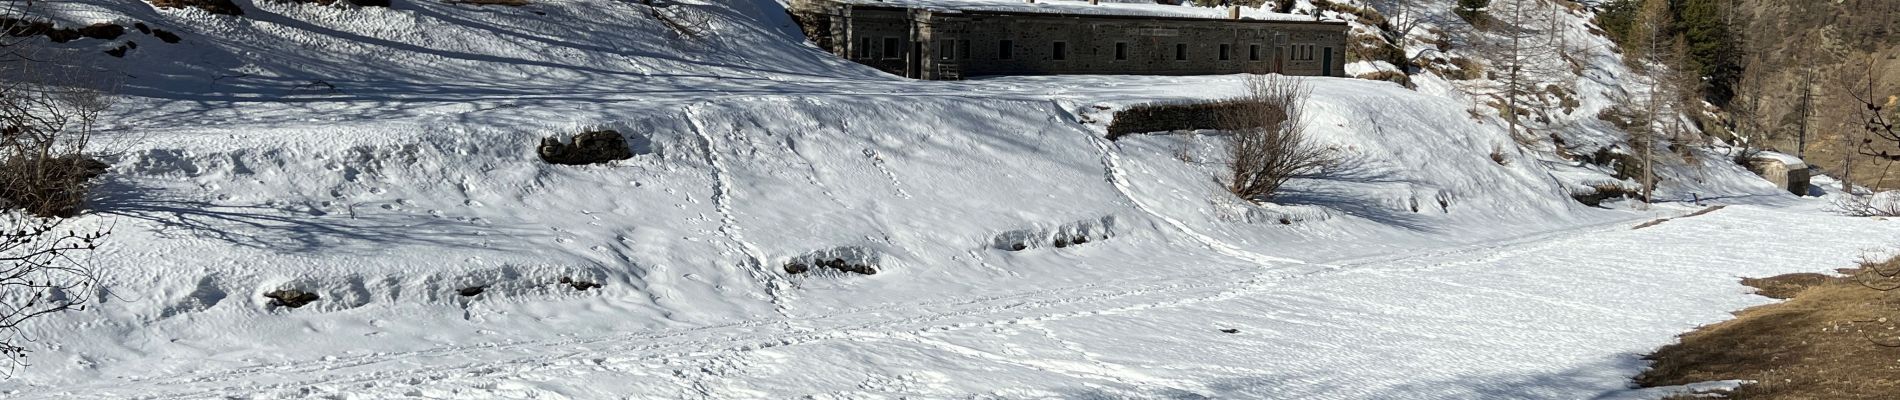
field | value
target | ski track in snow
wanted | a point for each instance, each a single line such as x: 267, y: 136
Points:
x: 728, y: 224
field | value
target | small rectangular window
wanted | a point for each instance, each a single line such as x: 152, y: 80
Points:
x: 1061, y: 51
x: 1006, y: 50
x: 1302, y: 52
x: 864, y: 48
x: 947, y: 50
x: 893, y: 48
x: 1253, y: 52
x: 1121, y: 51
x: 1224, y: 50
x: 1180, y: 52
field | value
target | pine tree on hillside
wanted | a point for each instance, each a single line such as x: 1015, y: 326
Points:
x: 1472, y: 11
x: 1713, y: 49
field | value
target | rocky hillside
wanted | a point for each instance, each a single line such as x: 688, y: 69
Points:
x: 1831, y: 49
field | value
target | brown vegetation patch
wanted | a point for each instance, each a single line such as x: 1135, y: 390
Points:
x: 1605, y: 192
x: 1693, y: 214
x: 1171, y: 117
x: 1786, y: 286
x: 1466, y: 69
x: 1374, y: 48
x: 47, y: 187
x: 1389, y: 76
x: 1830, y: 340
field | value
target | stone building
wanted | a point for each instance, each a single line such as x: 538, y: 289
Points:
x: 949, y: 43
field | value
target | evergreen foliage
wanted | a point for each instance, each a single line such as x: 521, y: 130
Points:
x: 1714, y: 50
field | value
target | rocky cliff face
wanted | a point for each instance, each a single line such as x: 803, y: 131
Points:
x: 1845, y: 46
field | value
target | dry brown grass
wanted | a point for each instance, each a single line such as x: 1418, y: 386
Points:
x: 1829, y: 340
x: 1389, y: 76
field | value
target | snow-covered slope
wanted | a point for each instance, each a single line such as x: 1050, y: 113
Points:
x: 383, y: 159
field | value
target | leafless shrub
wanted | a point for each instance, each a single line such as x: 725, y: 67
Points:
x: 1868, y: 205
x: 45, y: 128
x: 1186, y: 149
x: 47, y: 115
x: 1269, y: 145
x: 46, y: 123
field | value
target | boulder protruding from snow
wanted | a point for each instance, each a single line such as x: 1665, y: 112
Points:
x: 166, y: 36
x: 471, y: 291
x: 292, y: 298
x: 587, y: 148
x: 1785, y: 171
x: 847, y: 259
x: 102, y: 31
x: 579, y: 285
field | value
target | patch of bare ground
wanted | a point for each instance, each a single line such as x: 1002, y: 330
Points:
x: 1834, y: 338
x: 1694, y: 214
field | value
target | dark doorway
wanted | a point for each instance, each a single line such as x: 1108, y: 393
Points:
x: 916, y: 60
x: 1328, y: 65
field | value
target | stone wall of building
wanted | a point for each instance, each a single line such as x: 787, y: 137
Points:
x: 956, y: 44
x: 878, y: 37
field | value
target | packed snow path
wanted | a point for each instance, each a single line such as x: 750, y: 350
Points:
x: 1562, y: 314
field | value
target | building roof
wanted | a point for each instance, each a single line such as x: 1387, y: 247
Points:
x: 1108, y: 8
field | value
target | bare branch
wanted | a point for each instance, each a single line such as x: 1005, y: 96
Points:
x: 1269, y: 145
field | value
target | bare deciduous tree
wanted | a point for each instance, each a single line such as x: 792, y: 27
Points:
x: 1651, y: 34
x: 1269, y: 146
x: 1403, y: 18
x: 1521, y: 43
x: 1883, y: 137
x: 1751, y: 119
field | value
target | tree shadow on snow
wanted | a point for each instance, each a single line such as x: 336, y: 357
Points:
x: 1347, y: 189
x: 289, y: 228
x: 1605, y: 380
